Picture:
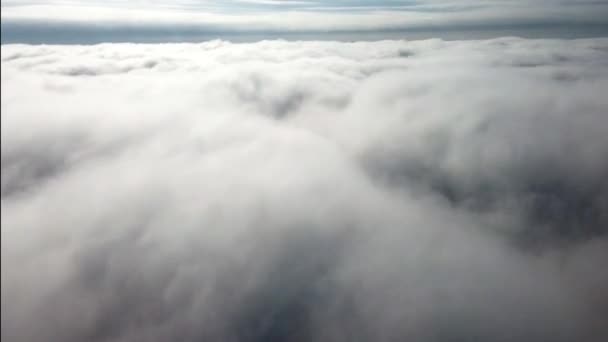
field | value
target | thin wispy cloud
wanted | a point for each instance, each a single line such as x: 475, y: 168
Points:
x: 191, y: 18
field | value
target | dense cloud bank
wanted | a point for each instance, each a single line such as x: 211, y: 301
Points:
x: 298, y: 191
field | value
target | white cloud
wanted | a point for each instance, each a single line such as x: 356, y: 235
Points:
x: 423, y: 190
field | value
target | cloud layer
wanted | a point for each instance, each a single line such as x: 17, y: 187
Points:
x: 379, y: 191
x: 91, y: 21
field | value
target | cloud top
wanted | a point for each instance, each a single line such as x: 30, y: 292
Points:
x: 419, y: 190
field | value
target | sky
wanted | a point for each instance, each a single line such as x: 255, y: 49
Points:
x: 157, y: 21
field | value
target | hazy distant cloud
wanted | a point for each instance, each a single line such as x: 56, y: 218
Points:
x: 124, y: 20
x: 324, y: 191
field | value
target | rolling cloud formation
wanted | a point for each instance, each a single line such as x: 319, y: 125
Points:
x: 297, y: 191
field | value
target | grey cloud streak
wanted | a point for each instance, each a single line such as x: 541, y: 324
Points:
x: 421, y: 190
x: 78, y: 22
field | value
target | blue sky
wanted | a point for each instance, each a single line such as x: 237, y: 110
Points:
x: 95, y: 20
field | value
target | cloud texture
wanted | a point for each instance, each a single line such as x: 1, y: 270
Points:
x: 94, y: 21
x: 274, y: 191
